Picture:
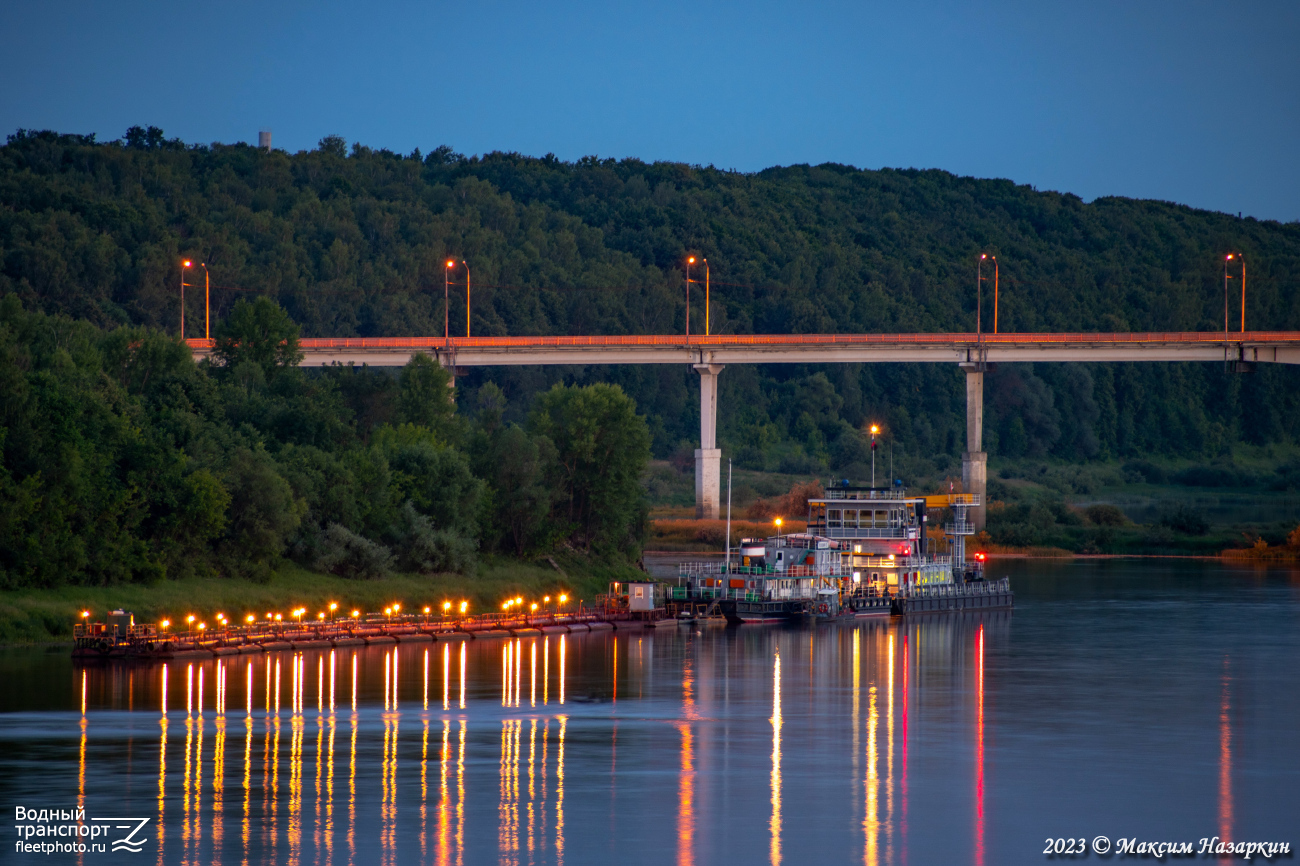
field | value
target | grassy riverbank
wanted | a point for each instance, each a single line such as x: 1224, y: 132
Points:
x: 40, y: 615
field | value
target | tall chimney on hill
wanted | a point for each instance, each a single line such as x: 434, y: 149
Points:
x: 264, y: 140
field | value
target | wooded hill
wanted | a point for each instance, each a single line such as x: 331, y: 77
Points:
x: 353, y: 242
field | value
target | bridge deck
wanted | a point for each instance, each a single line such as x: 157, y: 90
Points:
x: 1260, y: 346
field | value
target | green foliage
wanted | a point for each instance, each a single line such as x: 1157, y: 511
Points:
x: 602, y: 447
x: 259, y: 333
x: 352, y: 243
x: 124, y: 461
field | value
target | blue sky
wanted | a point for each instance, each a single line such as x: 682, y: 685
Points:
x: 1191, y: 102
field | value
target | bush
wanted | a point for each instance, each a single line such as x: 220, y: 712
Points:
x: 429, y: 550
x: 1106, y: 515
x: 1186, y: 519
x: 347, y: 554
x: 1213, y: 476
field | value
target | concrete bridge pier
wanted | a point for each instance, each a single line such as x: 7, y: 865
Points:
x: 974, y: 462
x: 708, y: 456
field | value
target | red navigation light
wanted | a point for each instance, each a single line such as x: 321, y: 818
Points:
x: 980, y: 557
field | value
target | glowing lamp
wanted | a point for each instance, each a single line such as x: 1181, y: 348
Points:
x: 464, y: 606
x: 333, y: 606
x: 165, y: 623
x: 85, y: 613
x: 691, y: 260
x: 187, y: 264
x: 563, y: 599
x: 202, y: 626
x: 426, y: 610
x: 320, y: 615
x: 248, y: 618
x: 534, y: 606
x: 356, y: 613
x: 446, y: 605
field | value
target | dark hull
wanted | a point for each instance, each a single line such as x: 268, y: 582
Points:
x: 904, y: 605
x: 759, y: 612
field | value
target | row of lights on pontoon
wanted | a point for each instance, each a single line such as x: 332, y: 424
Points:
x: 296, y: 613
x: 518, y: 602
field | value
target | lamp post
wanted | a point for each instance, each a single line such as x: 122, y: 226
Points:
x: 1227, y: 259
x: 979, y: 291
x: 875, y: 430
x: 995, y: 294
x: 707, y: 330
x: 690, y: 260
x: 466, y: 264
x: 207, y: 302
x: 446, y: 300
x: 185, y: 264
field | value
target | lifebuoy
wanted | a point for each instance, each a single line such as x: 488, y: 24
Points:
x: 822, y: 608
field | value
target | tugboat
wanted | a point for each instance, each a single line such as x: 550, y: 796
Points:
x: 864, y: 555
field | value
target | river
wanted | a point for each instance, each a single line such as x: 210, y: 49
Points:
x: 1155, y: 700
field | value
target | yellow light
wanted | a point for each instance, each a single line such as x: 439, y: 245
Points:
x: 464, y: 606
x: 320, y: 615
x: 397, y: 607
x: 85, y: 613
x: 563, y: 599
x: 450, y: 263
x: 248, y: 618
x: 277, y: 617
x: 187, y: 264
x: 388, y: 611
x: 202, y: 626
x: 446, y: 605
x: 426, y: 610
x: 221, y: 616
x: 506, y: 606
x: 334, y: 606
x: 356, y: 613
x: 778, y: 521
x: 982, y: 256
x: 691, y: 260
x: 166, y: 623
x: 546, y: 598
x: 534, y: 606
x: 190, y: 618
x: 874, y: 429
x: 1229, y: 256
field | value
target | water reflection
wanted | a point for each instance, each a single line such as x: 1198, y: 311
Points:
x: 879, y: 742
x: 775, y: 823
x: 1225, y: 756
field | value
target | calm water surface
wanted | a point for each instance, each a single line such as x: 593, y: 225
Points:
x: 1128, y: 699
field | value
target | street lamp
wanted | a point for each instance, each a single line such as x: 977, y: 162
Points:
x: 690, y: 260
x: 207, y: 302
x: 1227, y: 259
x: 466, y: 264
x: 778, y: 529
x: 995, y: 294
x: 185, y: 264
x: 979, y: 291
x: 875, y: 430
x: 446, y: 301
x: 707, y: 329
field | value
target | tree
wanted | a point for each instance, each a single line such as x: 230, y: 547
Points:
x: 426, y: 398
x: 259, y: 333
x: 602, y: 448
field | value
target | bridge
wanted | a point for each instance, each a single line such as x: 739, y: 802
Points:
x: 708, y: 355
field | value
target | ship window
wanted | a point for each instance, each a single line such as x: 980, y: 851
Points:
x: 881, y: 518
x: 851, y: 518
x: 833, y: 517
